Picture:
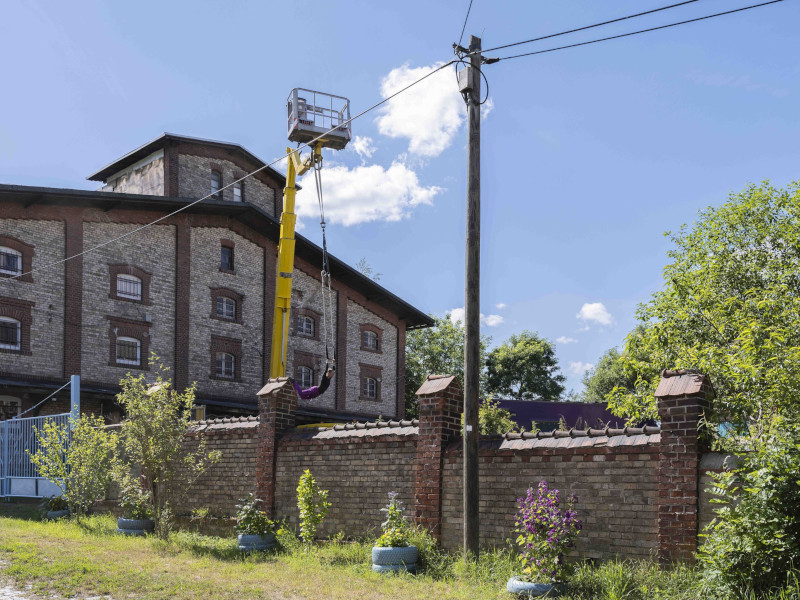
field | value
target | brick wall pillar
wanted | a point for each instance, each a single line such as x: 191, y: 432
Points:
x: 277, y: 405
x: 682, y: 397
x: 440, y: 407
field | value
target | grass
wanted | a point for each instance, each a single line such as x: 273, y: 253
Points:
x: 89, y: 559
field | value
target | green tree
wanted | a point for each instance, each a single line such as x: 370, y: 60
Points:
x: 730, y: 307
x: 153, y: 449
x: 437, y: 350
x: 492, y: 419
x: 313, y: 505
x: 77, y: 458
x: 524, y: 367
x: 610, y: 373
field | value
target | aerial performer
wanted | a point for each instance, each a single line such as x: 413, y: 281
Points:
x: 316, y: 390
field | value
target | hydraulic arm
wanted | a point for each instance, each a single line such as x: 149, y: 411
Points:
x: 283, y: 276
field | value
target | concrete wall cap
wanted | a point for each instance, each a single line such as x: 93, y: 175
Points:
x: 435, y: 383
x: 272, y: 386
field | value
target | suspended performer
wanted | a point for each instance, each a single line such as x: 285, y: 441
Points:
x: 316, y: 390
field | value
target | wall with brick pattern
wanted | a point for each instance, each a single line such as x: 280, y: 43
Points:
x: 46, y: 290
x: 98, y: 305
x: 146, y: 179
x: 386, y: 359
x: 247, y: 280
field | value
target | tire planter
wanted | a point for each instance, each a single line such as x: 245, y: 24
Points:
x: 251, y: 543
x: 529, y: 589
x: 52, y: 515
x: 135, y: 526
x: 392, y: 559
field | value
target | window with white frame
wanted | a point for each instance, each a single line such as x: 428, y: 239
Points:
x: 10, y: 261
x: 238, y: 191
x: 10, y: 334
x: 370, y: 388
x: 129, y: 287
x: 226, y: 308
x: 305, y: 377
x: 226, y: 365
x: 305, y: 326
x: 216, y: 182
x: 129, y: 351
x: 370, y: 340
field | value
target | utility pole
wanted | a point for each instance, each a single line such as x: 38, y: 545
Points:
x: 469, y: 80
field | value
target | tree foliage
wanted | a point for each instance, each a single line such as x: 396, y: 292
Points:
x: 437, y: 350
x: 493, y: 419
x: 77, y: 458
x: 153, y: 450
x: 525, y: 367
x: 610, y: 373
x: 730, y: 307
x: 312, y: 502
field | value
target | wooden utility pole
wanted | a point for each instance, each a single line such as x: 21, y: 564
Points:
x: 470, y: 85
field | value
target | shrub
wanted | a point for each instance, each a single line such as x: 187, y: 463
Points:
x: 395, y: 527
x: 152, y: 448
x: 546, y: 533
x: 313, y: 504
x: 753, y: 544
x: 135, y: 502
x: 493, y: 420
x: 54, y: 503
x: 77, y: 458
x: 251, y: 520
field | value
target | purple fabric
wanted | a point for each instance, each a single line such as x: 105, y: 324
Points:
x: 314, y: 390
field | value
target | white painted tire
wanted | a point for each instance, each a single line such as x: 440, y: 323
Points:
x: 135, y: 526
x: 394, y: 558
x: 528, y: 589
x: 251, y: 543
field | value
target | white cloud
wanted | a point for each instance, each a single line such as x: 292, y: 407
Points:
x: 566, y: 340
x: 486, y: 108
x: 595, y: 311
x: 457, y: 314
x: 364, y: 194
x: 362, y: 145
x: 428, y: 114
x: 500, y: 305
x: 579, y: 368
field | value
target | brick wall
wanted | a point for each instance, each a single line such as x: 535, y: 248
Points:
x: 147, y: 178
x: 360, y: 360
x: 46, y: 291
x: 195, y: 181
x: 247, y: 280
x: 616, y: 486
x: 155, y: 314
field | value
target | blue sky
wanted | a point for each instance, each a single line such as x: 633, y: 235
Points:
x: 589, y: 154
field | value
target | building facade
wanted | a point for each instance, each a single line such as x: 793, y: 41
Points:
x: 196, y: 289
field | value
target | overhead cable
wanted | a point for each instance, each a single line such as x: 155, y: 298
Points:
x: 622, y: 35
x: 232, y: 183
x: 461, y: 37
x: 42, y: 402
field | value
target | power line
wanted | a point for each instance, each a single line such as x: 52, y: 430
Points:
x: 552, y: 35
x: 622, y: 35
x: 183, y: 208
x: 42, y: 402
x: 461, y: 37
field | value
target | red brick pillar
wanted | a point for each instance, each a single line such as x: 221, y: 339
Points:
x: 440, y: 407
x: 277, y: 404
x: 682, y: 397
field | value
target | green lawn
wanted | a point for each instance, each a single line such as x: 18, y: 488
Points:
x: 89, y: 559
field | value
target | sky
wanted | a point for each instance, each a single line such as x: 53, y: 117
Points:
x: 589, y: 155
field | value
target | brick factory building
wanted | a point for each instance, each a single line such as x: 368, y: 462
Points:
x: 196, y: 288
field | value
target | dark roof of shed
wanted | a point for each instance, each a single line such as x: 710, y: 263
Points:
x: 166, y: 138
x: 525, y: 411
x: 248, y: 214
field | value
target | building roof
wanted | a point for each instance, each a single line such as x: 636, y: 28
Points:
x: 590, y: 413
x: 167, y: 138
x: 248, y: 214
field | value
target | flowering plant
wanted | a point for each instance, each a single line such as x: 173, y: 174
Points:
x: 546, y: 533
x: 251, y: 520
x: 395, y: 527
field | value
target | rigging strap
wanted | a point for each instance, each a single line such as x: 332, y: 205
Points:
x: 325, y: 275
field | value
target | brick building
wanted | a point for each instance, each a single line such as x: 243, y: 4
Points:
x: 197, y: 289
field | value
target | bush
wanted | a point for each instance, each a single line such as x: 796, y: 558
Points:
x: 546, y: 533
x: 494, y: 420
x: 135, y: 502
x: 251, y: 520
x: 152, y: 449
x: 77, y: 459
x: 753, y: 544
x: 313, y: 504
x: 395, y: 527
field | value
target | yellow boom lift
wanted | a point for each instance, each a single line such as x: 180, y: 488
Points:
x: 320, y: 121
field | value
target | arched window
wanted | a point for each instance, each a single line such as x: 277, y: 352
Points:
x: 129, y: 286
x: 226, y: 308
x: 10, y: 334
x: 305, y: 377
x: 226, y: 365
x: 129, y: 351
x: 370, y: 388
x: 305, y: 326
x: 370, y: 340
x: 10, y: 261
